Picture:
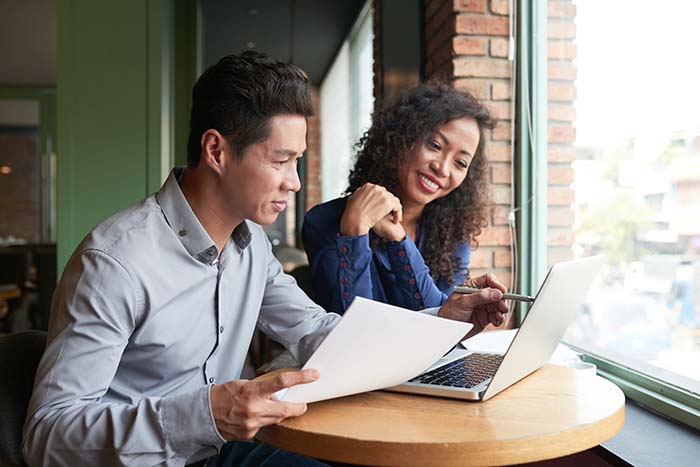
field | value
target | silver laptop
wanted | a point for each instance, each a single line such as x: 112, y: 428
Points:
x: 462, y: 374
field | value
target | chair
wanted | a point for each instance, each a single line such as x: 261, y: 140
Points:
x: 19, y: 357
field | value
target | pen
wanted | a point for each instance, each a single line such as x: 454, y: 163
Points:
x: 506, y: 296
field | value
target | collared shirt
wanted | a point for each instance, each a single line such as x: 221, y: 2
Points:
x: 347, y: 267
x: 144, y: 320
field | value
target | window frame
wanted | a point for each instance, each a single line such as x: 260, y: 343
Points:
x: 531, y: 198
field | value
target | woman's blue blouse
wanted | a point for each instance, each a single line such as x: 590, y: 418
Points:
x: 343, y: 268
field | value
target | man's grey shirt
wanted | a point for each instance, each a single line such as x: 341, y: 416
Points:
x: 143, y: 321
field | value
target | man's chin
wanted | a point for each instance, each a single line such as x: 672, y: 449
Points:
x: 265, y: 219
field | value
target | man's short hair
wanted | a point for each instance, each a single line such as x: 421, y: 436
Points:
x: 239, y: 95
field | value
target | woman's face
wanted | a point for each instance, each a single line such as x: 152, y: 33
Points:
x: 440, y: 164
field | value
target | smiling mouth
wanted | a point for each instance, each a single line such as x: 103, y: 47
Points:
x: 428, y: 183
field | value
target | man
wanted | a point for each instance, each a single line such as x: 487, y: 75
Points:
x: 154, y: 313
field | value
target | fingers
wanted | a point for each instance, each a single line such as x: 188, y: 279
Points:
x: 488, y: 280
x: 482, y: 297
x: 285, y: 380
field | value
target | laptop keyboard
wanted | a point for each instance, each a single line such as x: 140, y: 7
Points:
x: 465, y: 372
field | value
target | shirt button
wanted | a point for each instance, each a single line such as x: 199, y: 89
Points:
x: 182, y: 233
x: 402, y: 253
x: 221, y: 330
x: 343, y: 264
x: 343, y: 249
x: 346, y: 295
x: 412, y: 281
x: 211, y: 380
x: 407, y: 267
x: 345, y: 280
x: 416, y: 296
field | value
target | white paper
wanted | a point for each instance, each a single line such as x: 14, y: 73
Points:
x: 376, y: 346
x: 499, y: 340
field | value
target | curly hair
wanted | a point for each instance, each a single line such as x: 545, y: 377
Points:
x: 397, y: 131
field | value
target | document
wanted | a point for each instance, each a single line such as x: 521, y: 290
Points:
x: 375, y: 346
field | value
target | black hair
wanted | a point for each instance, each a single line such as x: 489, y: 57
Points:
x: 238, y: 96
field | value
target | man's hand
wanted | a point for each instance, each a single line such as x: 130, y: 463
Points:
x: 242, y: 407
x: 479, y: 308
x: 373, y: 207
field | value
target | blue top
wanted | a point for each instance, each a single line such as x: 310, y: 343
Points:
x: 346, y: 267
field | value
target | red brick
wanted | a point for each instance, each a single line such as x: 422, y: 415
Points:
x: 482, y: 24
x: 560, y: 153
x: 466, y: 45
x: 562, y: 113
x: 500, y: 110
x: 481, y: 258
x: 478, y: 87
x: 502, y: 258
x: 560, y: 175
x: 559, y: 196
x: 560, y: 237
x: 499, y: 47
x: 498, y: 152
x: 560, y: 216
x: 500, y: 194
x: 561, y: 92
x: 499, y: 215
x: 495, y: 236
x: 561, y: 134
x: 561, y: 9
x: 502, y: 131
x: 499, y: 7
x: 500, y: 173
x: 561, y: 71
x: 501, y: 90
x: 561, y: 30
x: 471, y: 6
x: 561, y: 50
x: 481, y: 68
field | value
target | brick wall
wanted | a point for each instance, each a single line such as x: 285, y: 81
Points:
x: 561, y: 90
x: 467, y: 42
x: 19, y: 190
x: 313, y: 153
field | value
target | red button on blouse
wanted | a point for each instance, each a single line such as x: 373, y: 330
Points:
x: 343, y: 264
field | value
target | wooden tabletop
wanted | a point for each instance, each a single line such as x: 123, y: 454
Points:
x: 554, y: 412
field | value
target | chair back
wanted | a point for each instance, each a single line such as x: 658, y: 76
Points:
x: 20, y: 353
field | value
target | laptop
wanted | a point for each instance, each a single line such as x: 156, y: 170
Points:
x: 477, y: 376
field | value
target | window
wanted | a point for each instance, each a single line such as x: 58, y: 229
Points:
x: 623, y: 179
x: 347, y: 102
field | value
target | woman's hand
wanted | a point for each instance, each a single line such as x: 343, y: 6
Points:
x: 373, y: 207
x: 479, y: 308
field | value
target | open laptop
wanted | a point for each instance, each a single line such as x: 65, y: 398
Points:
x: 462, y: 374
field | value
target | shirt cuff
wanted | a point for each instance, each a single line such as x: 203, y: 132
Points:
x: 189, y: 422
x: 433, y: 311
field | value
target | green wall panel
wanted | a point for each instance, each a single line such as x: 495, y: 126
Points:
x: 114, y: 101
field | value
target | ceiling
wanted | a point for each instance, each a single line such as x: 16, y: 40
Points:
x: 308, y: 33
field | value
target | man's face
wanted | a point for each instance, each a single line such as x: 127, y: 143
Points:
x: 257, y: 185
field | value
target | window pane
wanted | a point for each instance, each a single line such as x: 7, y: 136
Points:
x: 624, y: 176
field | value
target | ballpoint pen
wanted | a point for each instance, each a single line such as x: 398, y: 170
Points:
x: 506, y: 296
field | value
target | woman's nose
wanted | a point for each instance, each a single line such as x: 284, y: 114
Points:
x: 440, y: 167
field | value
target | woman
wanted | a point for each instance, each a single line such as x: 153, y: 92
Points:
x: 417, y: 200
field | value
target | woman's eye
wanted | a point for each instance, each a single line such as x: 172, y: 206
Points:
x: 432, y: 144
x: 462, y: 164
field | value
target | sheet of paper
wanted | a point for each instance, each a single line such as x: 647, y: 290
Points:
x: 375, y: 346
x: 499, y: 340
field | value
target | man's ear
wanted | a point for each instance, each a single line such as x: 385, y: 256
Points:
x: 214, y: 150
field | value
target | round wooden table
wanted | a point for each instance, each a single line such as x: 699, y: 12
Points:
x: 554, y: 412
